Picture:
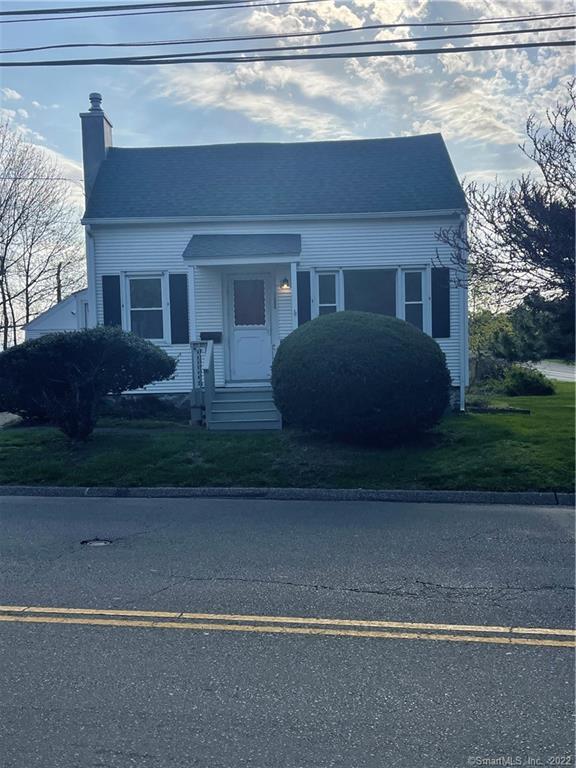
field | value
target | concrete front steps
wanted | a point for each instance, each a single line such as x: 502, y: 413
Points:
x: 243, y: 409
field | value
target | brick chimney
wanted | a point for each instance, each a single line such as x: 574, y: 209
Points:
x: 96, y: 139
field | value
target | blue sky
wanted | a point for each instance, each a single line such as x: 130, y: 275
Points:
x: 478, y: 101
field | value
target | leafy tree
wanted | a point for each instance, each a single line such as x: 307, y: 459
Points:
x: 65, y: 376
x: 533, y: 330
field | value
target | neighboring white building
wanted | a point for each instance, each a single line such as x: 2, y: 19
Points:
x: 216, y: 253
x: 70, y: 314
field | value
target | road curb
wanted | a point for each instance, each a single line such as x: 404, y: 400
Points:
x: 542, y: 498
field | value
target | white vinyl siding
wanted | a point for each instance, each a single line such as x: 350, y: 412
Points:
x: 68, y: 315
x: 283, y: 306
x: 407, y: 244
x: 209, y: 310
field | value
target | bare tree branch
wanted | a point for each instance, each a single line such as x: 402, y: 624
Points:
x: 520, y: 236
x: 40, y: 237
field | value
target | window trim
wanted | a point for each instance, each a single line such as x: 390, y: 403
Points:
x: 426, y: 297
x: 165, y: 308
x: 424, y: 269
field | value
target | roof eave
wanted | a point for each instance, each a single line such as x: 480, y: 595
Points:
x: 285, y: 217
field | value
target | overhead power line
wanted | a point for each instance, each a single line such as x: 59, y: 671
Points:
x: 348, y: 44
x: 290, y: 57
x: 207, y: 5
x: 108, y: 8
x: 290, y: 35
x: 396, y: 41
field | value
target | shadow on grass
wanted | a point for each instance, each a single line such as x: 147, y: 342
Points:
x: 455, y: 428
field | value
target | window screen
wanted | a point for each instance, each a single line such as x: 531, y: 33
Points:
x: 413, y: 303
x: 371, y: 290
x: 249, y: 302
x: 146, y: 316
x: 327, y: 302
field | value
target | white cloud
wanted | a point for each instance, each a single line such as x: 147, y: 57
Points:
x: 38, y: 105
x: 10, y: 94
x: 479, y: 101
x: 23, y: 114
x: 478, y: 109
x: 7, y: 114
x: 232, y: 90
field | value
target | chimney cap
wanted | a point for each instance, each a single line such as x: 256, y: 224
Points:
x: 95, y: 102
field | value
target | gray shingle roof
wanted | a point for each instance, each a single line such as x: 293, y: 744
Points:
x: 330, y: 177
x: 224, y: 246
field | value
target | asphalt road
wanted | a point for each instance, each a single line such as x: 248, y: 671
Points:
x: 113, y: 690
x: 556, y: 370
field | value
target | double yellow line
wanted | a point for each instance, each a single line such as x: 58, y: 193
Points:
x: 291, y: 625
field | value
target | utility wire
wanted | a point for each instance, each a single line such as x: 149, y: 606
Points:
x: 109, y: 8
x: 209, y: 6
x: 290, y: 57
x: 279, y: 36
x: 227, y: 52
x: 349, y: 44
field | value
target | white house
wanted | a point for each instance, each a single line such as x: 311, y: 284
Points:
x: 216, y: 253
x: 70, y: 314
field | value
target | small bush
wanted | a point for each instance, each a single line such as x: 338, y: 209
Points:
x: 64, y: 376
x: 520, y: 380
x: 360, y: 375
x: 487, y: 368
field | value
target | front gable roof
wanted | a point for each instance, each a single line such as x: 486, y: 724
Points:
x: 408, y: 174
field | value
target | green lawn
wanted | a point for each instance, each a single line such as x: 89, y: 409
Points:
x: 473, y: 451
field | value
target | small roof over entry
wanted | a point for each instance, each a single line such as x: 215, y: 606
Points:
x: 215, y: 248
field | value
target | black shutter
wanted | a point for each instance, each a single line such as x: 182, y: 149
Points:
x: 441, y: 302
x: 304, y: 306
x: 179, y: 309
x: 111, y: 301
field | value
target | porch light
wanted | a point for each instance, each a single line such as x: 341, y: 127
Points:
x: 285, y: 284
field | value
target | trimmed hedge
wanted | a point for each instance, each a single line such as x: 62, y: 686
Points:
x: 63, y: 377
x: 357, y: 374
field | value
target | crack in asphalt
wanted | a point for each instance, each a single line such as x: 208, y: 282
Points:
x: 425, y: 590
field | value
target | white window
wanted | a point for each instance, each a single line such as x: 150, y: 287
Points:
x: 328, y: 293
x: 413, y: 291
x: 146, y: 307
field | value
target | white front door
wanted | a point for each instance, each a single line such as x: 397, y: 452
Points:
x: 250, y: 334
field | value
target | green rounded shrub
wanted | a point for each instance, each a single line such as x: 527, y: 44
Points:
x: 520, y: 380
x: 63, y: 377
x: 360, y: 375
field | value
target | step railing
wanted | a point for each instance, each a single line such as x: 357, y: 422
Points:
x: 203, y: 381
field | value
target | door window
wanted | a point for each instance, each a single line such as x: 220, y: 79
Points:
x: 249, y: 302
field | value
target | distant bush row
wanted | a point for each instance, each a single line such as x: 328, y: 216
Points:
x: 498, y: 376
